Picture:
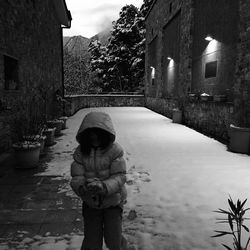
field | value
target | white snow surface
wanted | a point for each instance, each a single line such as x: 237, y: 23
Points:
x: 176, y: 178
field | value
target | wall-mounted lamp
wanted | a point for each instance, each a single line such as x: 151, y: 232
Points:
x: 152, y: 72
x: 209, y: 38
x: 169, y: 58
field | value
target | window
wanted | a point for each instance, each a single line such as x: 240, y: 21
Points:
x: 10, y: 73
x: 211, y: 69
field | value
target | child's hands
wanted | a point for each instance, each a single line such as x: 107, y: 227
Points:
x: 82, y: 190
x: 97, y: 187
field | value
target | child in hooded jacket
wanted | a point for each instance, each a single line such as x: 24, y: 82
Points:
x: 98, y: 177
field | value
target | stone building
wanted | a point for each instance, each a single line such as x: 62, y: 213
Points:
x: 200, y: 47
x: 30, y: 59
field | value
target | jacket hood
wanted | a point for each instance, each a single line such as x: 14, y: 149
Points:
x: 99, y: 120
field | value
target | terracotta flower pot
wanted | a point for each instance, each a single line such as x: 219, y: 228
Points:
x: 177, y: 116
x: 26, y: 154
x: 64, y: 119
x: 220, y: 98
x: 206, y: 98
x: 39, y: 138
x: 193, y: 97
x: 42, y: 140
x: 50, y: 136
x: 58, y: 124
x: 239, y: 139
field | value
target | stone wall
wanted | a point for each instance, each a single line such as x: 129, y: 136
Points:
x: 161, y: 106
x: 232, y: 32
x: 210, y: 117
x: 77, y: 102
x: 210, y: 18
x: 5, y: 133
x: 242, y: 83
x: 31, y: 35
x: 161, y: 14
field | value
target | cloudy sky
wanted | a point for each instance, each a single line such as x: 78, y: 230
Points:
x: 92, y: 16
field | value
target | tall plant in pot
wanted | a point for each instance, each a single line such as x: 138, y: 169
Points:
x: 58, y: 122
x: 26, y: 128
x: 239, y: 132
x: 48, y: 131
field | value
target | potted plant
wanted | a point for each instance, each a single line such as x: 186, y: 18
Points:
x: 235, y: 219
x: 64, y: 119
x: 39, y: 137
x: 239, y: 139
x: 193, y: 97
x: 57, y: 124
x: 60, y: 104
x: 220, y: 98
x: 239, y: 130
x: 26, y: 145
x: 48, y: 129
x: 206, y: 97
x: 177, y: 115
x: 50, y: 136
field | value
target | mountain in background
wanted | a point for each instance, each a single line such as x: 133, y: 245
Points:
x: 65, y: 39
x: 103, y: 36
x: 77, y: 45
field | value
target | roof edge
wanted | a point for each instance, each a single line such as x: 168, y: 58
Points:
x: 62, y: 13
x: 151, y: 7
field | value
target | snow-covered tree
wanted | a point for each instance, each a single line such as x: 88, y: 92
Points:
x: 122, y: 50
x: 120, y: 64
x: 138, y: 60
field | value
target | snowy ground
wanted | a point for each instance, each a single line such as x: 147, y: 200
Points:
x: 176, y: 178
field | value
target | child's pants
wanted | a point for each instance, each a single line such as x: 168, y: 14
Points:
x: 99, y: 223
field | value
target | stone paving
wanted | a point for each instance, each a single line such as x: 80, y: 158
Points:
x: 170, y: 201
x: 35, y: 205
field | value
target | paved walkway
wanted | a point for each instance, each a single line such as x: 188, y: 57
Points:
x: 33, y: 204
x: 176, y: 178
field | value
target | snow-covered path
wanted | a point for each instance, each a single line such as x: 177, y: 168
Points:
x: 176, y: 178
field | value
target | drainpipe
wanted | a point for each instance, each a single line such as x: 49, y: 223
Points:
x: 62, y: 53
x: 62, y: 68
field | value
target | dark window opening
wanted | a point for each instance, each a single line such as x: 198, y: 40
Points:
x: 170, y: 7
x: 211, y: 69
x: 10, y: 73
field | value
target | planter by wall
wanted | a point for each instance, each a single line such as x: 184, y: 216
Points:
x: 58, y: 124
x: 42, y: 140
x: 220, y: 98
x: 50, y: 136
x: 193, y: 97
x: 39, y: 138
x: 177, y: 116
x: 26, y: 154
x: 206, y: 98
x: 239, y: 139
x: 64, y: 119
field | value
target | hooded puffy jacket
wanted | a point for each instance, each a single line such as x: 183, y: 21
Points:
x: 106, y: 165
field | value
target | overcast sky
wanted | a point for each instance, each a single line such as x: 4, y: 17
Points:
x: 92, y: 16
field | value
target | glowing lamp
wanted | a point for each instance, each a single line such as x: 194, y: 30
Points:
x: 169, y: 58
x: 209, y: 38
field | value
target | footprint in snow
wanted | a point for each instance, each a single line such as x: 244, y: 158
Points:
x: 135, y: 178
